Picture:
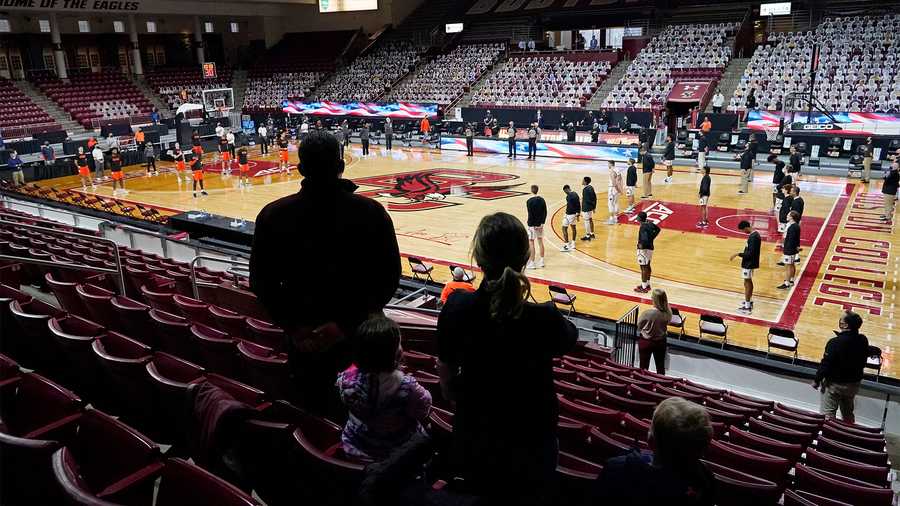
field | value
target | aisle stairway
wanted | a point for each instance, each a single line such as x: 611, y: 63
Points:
x: 730, y: 79
x: 239, y: 85
x: 48, y: 105
x: 614, y: 77
x: 466, y: 99
x: 153, y: 97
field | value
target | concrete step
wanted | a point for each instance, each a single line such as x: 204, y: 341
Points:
x: 614, y: 77
x: 731, y: 78
x: 466, y: 99
x: 154, y: 98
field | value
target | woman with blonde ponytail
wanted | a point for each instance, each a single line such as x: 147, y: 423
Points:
x: 654, y: 327
x: 496, y: 355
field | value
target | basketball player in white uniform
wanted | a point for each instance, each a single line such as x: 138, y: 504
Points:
x: 612, y: 194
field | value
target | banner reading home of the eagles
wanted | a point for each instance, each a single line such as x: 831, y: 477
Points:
x: 689, y: 91
x: 399, y: 110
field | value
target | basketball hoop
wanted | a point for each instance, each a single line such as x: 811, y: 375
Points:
x: 222, y: 111
x: 771, y: 132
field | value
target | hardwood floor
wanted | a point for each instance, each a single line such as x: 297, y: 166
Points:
x: 436, y: 200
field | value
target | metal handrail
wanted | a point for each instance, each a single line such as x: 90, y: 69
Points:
x: 65, y: 233
x: 213, y: 259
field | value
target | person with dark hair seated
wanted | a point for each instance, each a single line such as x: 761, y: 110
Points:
x: 672, y: 473
x: 505, y: 440
x: 386, y: 406
x: 307, y: 249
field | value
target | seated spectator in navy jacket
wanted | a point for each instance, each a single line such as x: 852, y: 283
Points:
x: 672, y: 473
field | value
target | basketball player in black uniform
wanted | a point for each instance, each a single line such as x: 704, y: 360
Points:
x: 630, y: 184
x: 669, y: 158
x: 537, y: 216
x: 647, y: 165
x: 588, y: 206
x: 749, y: 263
x: 796, y: 160
x: 705, y: 187
x: 573, y: 208
x: 791, y: 250
x: 777, y: 178
x: 646, y: 235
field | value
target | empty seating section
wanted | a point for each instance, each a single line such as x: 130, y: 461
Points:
x: 170, y: 82
x: 136, y: 354
x: 266, y: 90
x: 19, y: 111
x: 87, y: 96
x: 291, y: 70
x: 448, y: 76
x: 857, y: 66
x: 543, y: 81
x: 696, y: 51
x: 370, y: 76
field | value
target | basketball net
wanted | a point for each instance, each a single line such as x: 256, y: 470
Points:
x: 771, y: 132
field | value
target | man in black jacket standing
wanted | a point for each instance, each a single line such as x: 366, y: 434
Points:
x: 470, y: 139
x: 646, y: 235
x: 537, y: 216
x: 790, y: 250
x: 749, y: 263
x: 588, y: 206
x: 299, y: 295
x: 889, y: 191
x: 841, y: 369
x: 746, y: 169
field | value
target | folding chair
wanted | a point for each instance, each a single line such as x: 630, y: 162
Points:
x: 561, y: 297
x: 420, y: 269
x: 712, y: 325
x: 782, y: 339
x: 874, y: 360
x: 468, y: 276
x: 677, y: 321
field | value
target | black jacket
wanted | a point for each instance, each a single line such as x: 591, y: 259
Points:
x: 792, y: 239
x: 844, y: 359
x: 588, y: 198
x: 537, y: 211
x: 632, y: 480
x: 891, y: 181
x: 702, y: 143
x: 301, y: 292
x: 750, y: 255
x: 785, y: 208
x: 573, y: 205
x: 778, y: 175
x: 646, y: 234
x: 797, y: 204
x: 631, y: 176
x: 796, y: 160
x: 647, y: 163
x: 747, y: 160
x: 669, y: 153
x: 705, y: 185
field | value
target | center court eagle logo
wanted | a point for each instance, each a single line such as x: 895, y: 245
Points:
x: 430, y: 189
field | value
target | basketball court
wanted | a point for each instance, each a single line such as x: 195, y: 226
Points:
x: 437, y: 198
